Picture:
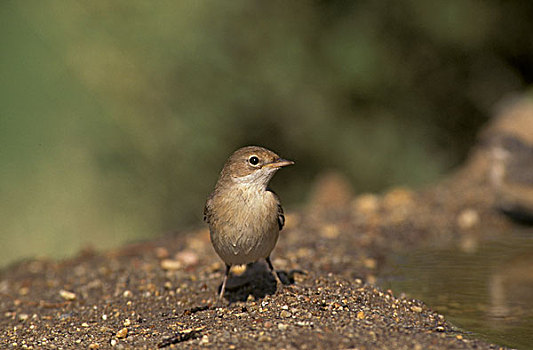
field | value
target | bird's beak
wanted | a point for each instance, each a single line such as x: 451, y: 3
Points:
x: 278, y: 163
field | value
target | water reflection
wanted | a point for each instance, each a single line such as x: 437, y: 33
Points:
x: 487, y: 290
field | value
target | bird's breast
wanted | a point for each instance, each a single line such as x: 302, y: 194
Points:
x: 245, y: 226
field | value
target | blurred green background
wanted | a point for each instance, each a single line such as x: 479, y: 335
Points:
x: 116, y: 116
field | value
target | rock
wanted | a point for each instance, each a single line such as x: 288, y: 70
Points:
x: 282, y: 326
x: 507, y: 143
x: 398, y: 203
x: 416, y: 308
x: 170, y: 264
x: 204, y: 340
x: 187, y: 258
x: 65, y: 294
x: 366, y: 204
x: 161, y: 253
x: 284, y: 314
x: 467, y: 219
x: 122, y: 333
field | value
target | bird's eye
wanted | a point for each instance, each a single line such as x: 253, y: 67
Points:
x: 253, y: 160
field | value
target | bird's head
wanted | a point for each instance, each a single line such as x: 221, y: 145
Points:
x: 252, y: 165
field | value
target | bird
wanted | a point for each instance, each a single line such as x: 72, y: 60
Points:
x: 244, y: 215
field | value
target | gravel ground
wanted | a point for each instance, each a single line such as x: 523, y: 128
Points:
x: 129, y: 301
x: 162, y: 293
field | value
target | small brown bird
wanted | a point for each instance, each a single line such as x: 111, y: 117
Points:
x: 243, y: 214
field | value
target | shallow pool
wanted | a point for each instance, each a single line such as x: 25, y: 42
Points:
x: 483, y: 287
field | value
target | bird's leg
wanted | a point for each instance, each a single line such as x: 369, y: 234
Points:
x: 273, y: 270
x: 223, y: 288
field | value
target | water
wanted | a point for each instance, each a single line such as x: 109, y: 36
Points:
x: 485, y: 287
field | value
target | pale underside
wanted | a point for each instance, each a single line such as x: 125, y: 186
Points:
x: 243, y: 223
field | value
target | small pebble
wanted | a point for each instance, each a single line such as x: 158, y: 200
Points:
x: 205, y: 340
x: 370, y: 263
x: 282, y: 326
x: 416, y: 308
x: 65, y: 294
x: 285, y: 314
x: 123, y: 333
x: 264, y: 338
x: 187, y: 257
x: 169, y: 264
x: 161, y: 253
x: 468, y: 218
x: 366, y: 204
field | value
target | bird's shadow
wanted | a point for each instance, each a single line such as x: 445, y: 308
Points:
x: 257, y: 281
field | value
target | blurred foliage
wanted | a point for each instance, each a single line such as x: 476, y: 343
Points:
x: 117, y: 116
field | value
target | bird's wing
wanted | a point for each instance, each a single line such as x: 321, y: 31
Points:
x: 207, y: 209
x: 281, y: 214
x: 281, y: 217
